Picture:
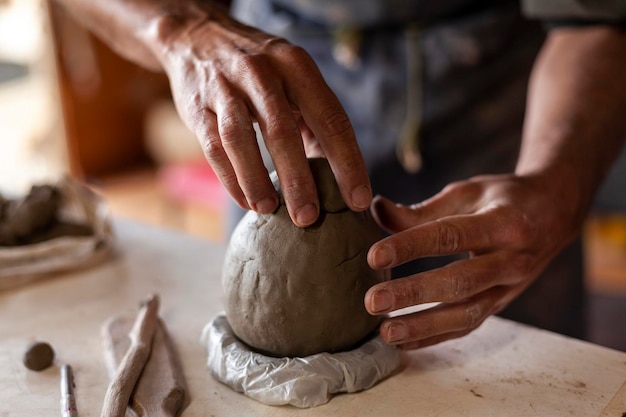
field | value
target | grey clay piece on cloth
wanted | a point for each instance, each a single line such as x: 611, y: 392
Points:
x: 294, y: 292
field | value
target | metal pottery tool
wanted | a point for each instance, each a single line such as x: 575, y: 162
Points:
x: 68, y: 402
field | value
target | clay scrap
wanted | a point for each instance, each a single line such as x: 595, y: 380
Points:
x: 34, y: 218
x: 53, y: 228
x: 38, y: 356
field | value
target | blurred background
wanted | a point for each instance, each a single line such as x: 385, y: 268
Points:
x: 69, y: 105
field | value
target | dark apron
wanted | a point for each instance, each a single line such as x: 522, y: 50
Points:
x: 443, y: 83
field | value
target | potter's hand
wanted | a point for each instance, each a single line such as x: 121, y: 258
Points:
x: 511, y: 226
x: 224, y: 76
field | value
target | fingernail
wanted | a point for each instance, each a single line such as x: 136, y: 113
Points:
x: 306, y: 215
x: 382, y: 257
x: 265, y: 206
x: 396, y: 332
x: 381, y: 301
x: 361, y: 197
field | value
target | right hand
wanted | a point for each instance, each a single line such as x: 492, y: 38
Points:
x: 225, y: 76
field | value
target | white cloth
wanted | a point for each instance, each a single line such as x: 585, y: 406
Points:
x: 301, y: 382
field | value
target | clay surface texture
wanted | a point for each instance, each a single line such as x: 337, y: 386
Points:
x: 294, y: 292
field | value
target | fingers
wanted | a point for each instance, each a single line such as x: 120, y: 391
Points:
x: 456, y: 281
x: 495, y: 228
x: 206, y: 130
x: 254, y: 76
x: 433, y: 340
x: 345, y: 160
x: 238, y: 140
x: 312, y: 147
x: 456, y: 198
x: 281, y: 133
x: 393, y: 217
x: 469, y: 291
x: 442, y: 322
x: 323, y: 114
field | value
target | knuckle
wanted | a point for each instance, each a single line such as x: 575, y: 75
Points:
x: 524, y: 231
x: 410, y: 294
x: 233, y: 128
x: 297, y: 56
x: 251, y: 63
x: 523, y: 265
x: 403, y: 250
x: 193, y: 106
x: 521, y: 230
x: 297, y: 187
x: 453, y: 187
x: 229, y: 181
x: 275, y: 45
x: 460, y: 287
x: 194, y: 113
x: 407, y: 291
x: 213, y: 150
x: 274, y: 52
x: 298, y: 52
x: 449, y: 238
x: 335, y: 123
x: 282, y: 128
x: 474, y: 316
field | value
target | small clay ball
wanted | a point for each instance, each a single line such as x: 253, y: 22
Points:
x: 38, y: 356
x: 294, y: 292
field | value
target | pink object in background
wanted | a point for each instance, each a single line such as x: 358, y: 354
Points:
x: 195, y: 182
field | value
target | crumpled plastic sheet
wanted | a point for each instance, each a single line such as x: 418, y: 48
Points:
x: 301, y: 382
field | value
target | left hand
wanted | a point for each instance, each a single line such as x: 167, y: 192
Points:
x: 511, y: 226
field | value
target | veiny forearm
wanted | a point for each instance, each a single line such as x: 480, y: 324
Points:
x: 133, y: 28
x: 225, y: 76
x: 575, y: 121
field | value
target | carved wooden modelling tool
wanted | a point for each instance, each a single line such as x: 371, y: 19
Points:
x: 132, y: 364
x: 161, y: 390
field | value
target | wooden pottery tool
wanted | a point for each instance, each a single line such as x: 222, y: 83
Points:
x: 124, y: 379
x: 161, y: 390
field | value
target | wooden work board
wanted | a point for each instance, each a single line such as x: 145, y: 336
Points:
x: 502, y: 369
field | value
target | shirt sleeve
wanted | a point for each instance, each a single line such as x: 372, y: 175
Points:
x: 607, y: 11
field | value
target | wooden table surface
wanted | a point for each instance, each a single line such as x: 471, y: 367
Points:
x: 502, y: 369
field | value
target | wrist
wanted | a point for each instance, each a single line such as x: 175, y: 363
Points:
x: 574, y: 125
x: 562, y: 190
x: 166, y: 30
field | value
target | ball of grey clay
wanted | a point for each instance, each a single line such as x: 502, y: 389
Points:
x: 38, y: 356
x: 294, y: 292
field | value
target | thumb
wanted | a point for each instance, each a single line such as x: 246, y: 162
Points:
x: 393, y: 217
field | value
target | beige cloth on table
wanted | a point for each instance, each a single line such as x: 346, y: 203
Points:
x: 20, y: 265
